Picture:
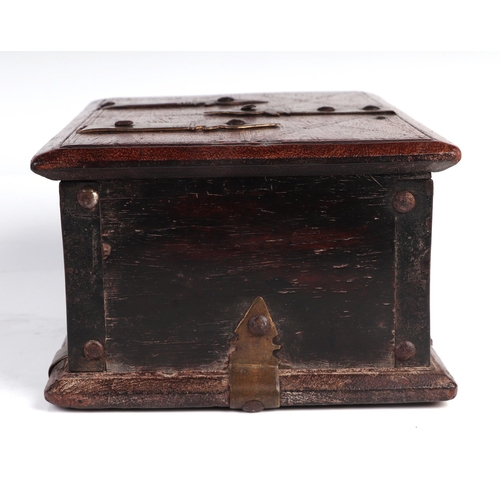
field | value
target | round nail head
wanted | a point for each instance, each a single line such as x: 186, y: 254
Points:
x: 93, y: 350
x: 405, y: 351
x: 404, y: 202
x: 124, y: 123
x: 253, y: 406
x: 259, y: 324
x: 87, y: 197
x: 236, y: 122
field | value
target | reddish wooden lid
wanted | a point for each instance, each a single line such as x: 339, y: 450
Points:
x: 243, y: 135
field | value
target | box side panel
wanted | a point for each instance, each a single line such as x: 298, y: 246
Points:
x: 80, y: 218
x: 186, y: 258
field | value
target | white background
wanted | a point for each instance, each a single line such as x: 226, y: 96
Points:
x: 447, y: 450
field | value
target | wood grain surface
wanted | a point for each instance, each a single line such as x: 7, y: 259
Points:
x: 188, y: 257
x: 91, y: 390
x: 311, y: 134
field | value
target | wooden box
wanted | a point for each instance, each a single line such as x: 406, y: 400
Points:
x: 246, y: 251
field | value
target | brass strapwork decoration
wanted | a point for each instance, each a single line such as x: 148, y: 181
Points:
x: 318, y: 112
x: 222, y: 101
x: 160, y: 127
x: 253, y: 368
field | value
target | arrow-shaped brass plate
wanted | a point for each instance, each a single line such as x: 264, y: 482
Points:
x: 253, y: 368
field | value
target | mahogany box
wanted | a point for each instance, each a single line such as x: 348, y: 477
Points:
x: 246, y: 251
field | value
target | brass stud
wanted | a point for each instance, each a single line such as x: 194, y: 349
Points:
x: 371, y: 108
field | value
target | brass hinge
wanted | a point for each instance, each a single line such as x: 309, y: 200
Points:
x: 253, y: 368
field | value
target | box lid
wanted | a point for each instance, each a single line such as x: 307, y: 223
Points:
x: 282, y: 134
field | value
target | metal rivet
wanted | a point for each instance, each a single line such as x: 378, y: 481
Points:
x: 259, y: 324
x: 93, y: 350
x: 326, y: 109
x: 253, y: 406
x: 249, y: 107
x: 87, y: 197
x: 236, y: 122
x: 225, y: 99
x: 124, y: 123
x: 405, y: 350
x: 371, y: 108
x: 404, y: 202
x: 381, y: 117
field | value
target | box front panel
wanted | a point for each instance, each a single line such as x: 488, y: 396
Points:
x: 184, y: 259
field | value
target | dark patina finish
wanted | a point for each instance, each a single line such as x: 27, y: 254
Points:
x: 246, y: 251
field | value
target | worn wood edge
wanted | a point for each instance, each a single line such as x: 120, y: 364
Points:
x: 385, y: 386
x: 58, y: 140
x: 60, y: 355
x: 100, y: 390
x: 330, y: 158
x: 124, y: 171
x: 414, y: 123
x: 200, y: 389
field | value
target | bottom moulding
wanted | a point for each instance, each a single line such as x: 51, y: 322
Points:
x: 204, y: 389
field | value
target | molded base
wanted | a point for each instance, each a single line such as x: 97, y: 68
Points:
x: 199, y: 389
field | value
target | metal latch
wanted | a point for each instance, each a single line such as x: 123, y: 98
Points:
x: 253, y: 368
